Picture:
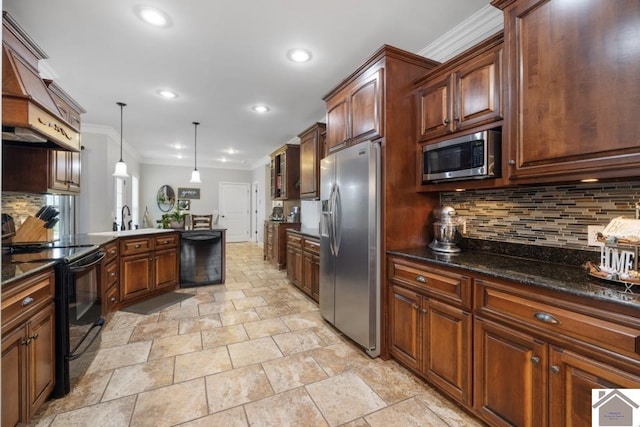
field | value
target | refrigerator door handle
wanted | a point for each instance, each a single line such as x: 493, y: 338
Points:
x: 337, y: 220
x: 332, y: 226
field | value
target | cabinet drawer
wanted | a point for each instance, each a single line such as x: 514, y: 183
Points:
x: 113, y: 298
x: 312, y: 246
x: 112, y: 273
x: 135, y: 246
x: 21, y: 300
x: 111, y: 251
x: 166, y: 241
x: 533, y: 313
x: 294, y: 239
x: 443, y: 284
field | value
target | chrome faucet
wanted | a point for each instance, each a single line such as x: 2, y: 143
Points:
x: 123, y: 225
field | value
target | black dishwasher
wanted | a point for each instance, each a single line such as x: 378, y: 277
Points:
x: 201, y: 257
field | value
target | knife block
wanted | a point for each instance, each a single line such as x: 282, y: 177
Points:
x: 32, y: 230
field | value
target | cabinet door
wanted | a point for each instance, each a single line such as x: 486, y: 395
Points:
x: 165, y: 268
x: 478, y: 89
x: 446, y: 339
x: 404, y: 326
x: 58, y: 170
x: 135, y: 275
x: 14, y: 377
x: 291, y: 274
x: 571, y: 379
x: 309, y: 166
x: 314, y: 278
x: 510, y: 376
x: 337, y: 122
x: 365, y: 108
x: 41, y: 350
x: 574, y: 89
x: 436, y: 109
x: 73, y: 171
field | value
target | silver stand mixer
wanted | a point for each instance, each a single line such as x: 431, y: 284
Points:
x: 445, y: 230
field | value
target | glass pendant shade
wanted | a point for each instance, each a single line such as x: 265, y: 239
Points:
x: 195, y: 175
x: 121, y: 166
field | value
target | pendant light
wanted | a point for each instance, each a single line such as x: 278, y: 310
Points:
x: 121, y: 166
x: 195, y: 175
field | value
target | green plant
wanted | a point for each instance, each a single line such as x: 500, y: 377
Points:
x: 176, y: 215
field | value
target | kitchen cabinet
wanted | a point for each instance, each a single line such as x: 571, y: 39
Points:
x: 354, y: 114
x: 69, y: 109
x: 303, y: 263
x: 538, y: 357
x: 463, y: 93
x: 430, y: 324
x: 276, y: 241
x: 573, y: 91
x: 28, y: 347
x: 148, y: 266
x: 285, y: 173
x: 110, y: 277
x: 49, y: 171
x: 311, y: 152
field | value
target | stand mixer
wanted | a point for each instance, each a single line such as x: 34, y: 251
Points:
x: 445, y: 230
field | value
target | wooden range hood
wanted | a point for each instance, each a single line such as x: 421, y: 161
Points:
x: 29, y: 113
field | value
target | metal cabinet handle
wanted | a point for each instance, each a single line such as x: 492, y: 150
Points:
x: 113, y: 252
x: 113, y: 299
x: 445, y: 121
x: 456, y: 119
x: 512, y: 162
x: 423, y: 310
x: 25, y: 342
x: 27, y: 301
x: 546, y: 318
x: 415, y: 307
x: 421, y: 279
x: 555, y: 369
x: 34, y: 336
x: 535, y: 360
x: 113, y: 274
x: 137, y: 246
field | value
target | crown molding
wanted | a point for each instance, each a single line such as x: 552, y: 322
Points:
x: 477, y: 27
x: 113, y: 137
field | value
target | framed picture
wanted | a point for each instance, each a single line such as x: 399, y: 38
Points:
x: 184, y: 205
x: 188, y: 193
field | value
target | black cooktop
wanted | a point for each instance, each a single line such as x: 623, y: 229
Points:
x: 55, y: 251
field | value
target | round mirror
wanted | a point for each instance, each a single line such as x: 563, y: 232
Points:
x: 166, y: 198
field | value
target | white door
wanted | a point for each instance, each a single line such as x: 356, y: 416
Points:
x: 234, y: 205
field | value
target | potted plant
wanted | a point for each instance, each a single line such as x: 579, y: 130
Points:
x: 177, y: 219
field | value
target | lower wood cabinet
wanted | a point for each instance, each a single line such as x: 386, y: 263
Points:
x: 303, y: 263
x: 28, y: 347
x: 275, y: 242
x: 110, y: 277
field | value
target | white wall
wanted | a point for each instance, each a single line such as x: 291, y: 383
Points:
x: 260, y: 175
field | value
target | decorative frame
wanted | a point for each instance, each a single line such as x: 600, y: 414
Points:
x: 188, y: 193
x: 184, y: 205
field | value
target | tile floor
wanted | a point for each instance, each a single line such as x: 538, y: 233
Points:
x: 252, y: 352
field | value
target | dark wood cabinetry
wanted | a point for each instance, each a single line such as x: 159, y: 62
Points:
x: 148, y: 265
x: 285, y: 173
x: 463, y: 93
x: 275, y: 246
x: 573, y: 91
x: 303, y: 263
x: 49, y: 171
x: 110, y: 278
x: 311, y: 152
x: 28, y: 347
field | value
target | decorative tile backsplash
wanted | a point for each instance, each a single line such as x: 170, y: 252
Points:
x: 554, y: 216
x: 21, y: 205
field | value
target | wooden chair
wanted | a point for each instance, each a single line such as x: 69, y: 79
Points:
x: 201, y: 222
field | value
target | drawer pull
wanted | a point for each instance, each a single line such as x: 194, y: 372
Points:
x: 25, y: 302
x: 34, y: 336
x: 535, y: 360
x: 113, y: 274
x: 423, y: 310
x: 113, y: 252
x: 555, y: 369
x: 546, y: 318
x: 415, y: 306
x: 421, y: 279
x: 25, y: 342
x: 113, y: 299
x: 137, y: 246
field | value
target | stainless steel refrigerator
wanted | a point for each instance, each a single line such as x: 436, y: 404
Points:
x: 350, y: 243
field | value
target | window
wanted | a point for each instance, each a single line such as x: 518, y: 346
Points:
x: 120, y: 200
x: 134, y: 200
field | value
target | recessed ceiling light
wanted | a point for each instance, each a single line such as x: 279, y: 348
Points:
x: 153, y: 16
x: 179, y: 156
x: 299, y: 55
x: 230, y: 151
x: 587, y: 180
x: 260, y: 108
x: 166, y: 93
x: 178, y: 146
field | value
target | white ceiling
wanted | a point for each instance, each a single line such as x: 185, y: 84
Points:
x: 221, y: 57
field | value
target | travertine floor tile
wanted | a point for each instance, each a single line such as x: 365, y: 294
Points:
x: 117, y: 337
x: 410, y: 413
x: 178, y: 344
x: 295, y: 342
x: 238, y: 317
x: 177, y: 312
x: 152, y: 331
x: 234, y: 417
x: 171, y: 405
x: 215, y: 307
x: 254, y: 351
x: 223, y: 336
x: 88, y: 390
x: 114, y: 413
x: 299, y: 321
x: 249, y: 302
x: 232, y: 388
x: 229, y: 295
x: 272, y: 311
x: 265, y: 328
x: 344, y: 398
x: 293, y: 371
x: 338, y: 358
x: 291, y: 408
x: 201, y: 323
x: 141, y: 377
x: 201, y: 363
x: 115, y: 357
x: 124, y: 319
x: 390, y: 381
x: 446, y: 410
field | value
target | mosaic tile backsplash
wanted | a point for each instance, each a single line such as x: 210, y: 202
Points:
x: 555, y: 216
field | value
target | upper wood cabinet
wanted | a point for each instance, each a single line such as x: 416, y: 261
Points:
x: 285, y: 172
x: 574, y: 89
x: 462, y: 93
x: 311, y: 151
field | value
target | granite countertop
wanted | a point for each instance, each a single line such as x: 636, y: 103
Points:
x: 310, y: 232
x: 559, y: 277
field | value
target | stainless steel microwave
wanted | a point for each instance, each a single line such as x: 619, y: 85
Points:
x: 473, y: 156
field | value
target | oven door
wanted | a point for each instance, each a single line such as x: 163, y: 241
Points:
x: 78, y: 321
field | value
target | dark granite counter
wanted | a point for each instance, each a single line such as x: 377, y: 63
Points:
x: 309, y: 232
x: 559, y: 277
x: 12, y: 271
